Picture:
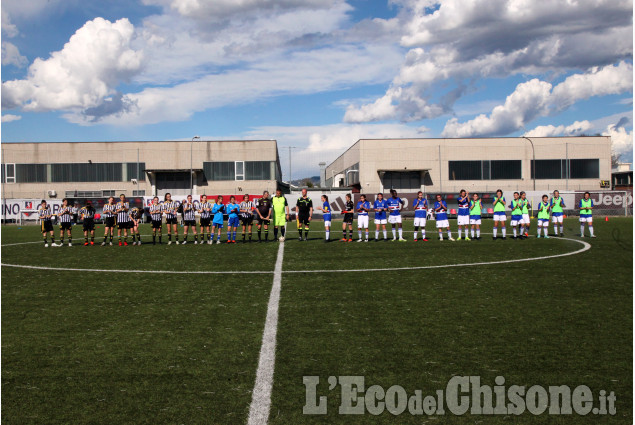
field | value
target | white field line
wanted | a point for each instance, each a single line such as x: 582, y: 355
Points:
x: 585, y: 247
x: 261, y: 395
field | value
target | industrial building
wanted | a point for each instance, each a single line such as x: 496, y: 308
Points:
x: 474, y: 164
x: 137, y: 169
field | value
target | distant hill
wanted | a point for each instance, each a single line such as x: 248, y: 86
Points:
x: 315, y: 181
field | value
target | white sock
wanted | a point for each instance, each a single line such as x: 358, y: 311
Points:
x: 449, y: 234
x: 555, y: 229
x: 504, y: 232
x: 591, y: 229
x: 327, y: 234
x: 385, y: 234
x: 423, y: 233
x: 495, y: 231
x: 359, y: 234
x: 582, y: 230
x: 394, y: 233
x: 478, y: 233
x: 440, y: 234
x: 366, y: 234
x: 522, y: 230
x: 400, y: 233
x: 515, y: 231
x: 415, y: 234
x: 459, y: 233
x: 376, y: 234
x: 562, y: 228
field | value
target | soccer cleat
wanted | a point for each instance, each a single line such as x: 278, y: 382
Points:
x: 376, y: 240
x: 494, y: 238
x: 425, y: 240
x: 365, y: 240
x: 170, y: 243
x: 184, y: 242
x: 300, y: 239
x: 125, y: 244
x: 546, y: 236
x: 538, y: 236
x: 467, y: 238
x: 358, y: 240
x: 414, y: 240
x: 195, y: 242
x: 177, y: 242
x: 593, y: 236
x: 451, y: 239
x: 85, y: 243
x: 504, y: 238
x: 110, y: 243
x: 526, y: 234
x: 103, y: 244
x: 92, y: 243
x: 70, y: 244
x: 350, y: 240
x: 402, y: 240
x: 218, y: 242
x: 460, y: 239
x: 305, y: 239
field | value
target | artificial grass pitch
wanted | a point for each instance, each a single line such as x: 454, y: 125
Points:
x: 98, y: 347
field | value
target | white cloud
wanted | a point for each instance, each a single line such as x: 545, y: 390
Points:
x: 86, y: 71
x: 8, y: 28
x: 575, y: 129
x: 536, y: 98
x: 10, y: 117
x: 463, y: 40
x: 11, y: 55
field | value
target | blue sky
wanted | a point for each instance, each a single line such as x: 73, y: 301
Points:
x: 316, y: 74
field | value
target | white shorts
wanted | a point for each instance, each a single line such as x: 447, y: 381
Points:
x: 380, y: 221
x: 500, y: 217
x: 586, y: 219
x: 327, y: 224
x: 420, y: 222
x: 543, y: 222
x: 443, y: 224
x: 515, y: 222
x: 463, y: 220
x: 362, y: 222
x: 557, y: 218
x: 526, y: 219
x: 394, y: 219
x: 475, y: 221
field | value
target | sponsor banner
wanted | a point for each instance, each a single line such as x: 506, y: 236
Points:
x: 11, y: 208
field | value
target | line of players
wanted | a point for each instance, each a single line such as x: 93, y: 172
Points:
x: 276, y: 210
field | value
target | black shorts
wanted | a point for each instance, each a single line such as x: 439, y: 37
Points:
x: 205, y: 222
x: 66, y: 226
x: 263, y: 221
x: 125, y: 225
x: 89, y: 224
x: 157, y: 224
x: 171, y: 220
x: 189, y: 223
x: 109, y: 222
x: 303, y: 219
x: 247, y: 221
x: 348, y: 218
x: 47, y: 226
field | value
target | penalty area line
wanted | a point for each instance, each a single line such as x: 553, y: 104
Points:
x: 261, y: 395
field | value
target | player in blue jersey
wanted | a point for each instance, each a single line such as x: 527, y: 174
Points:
x: 233, y: 221
x: 463, y: 216
x: 395, y: 204
x: 516, y: 205
x: 326, y: 215
x: 421, y: 215
x: 380, y: 207
x: 476, y: 207
x: 441, y: 214
x: 362, y: 207
x: 217, y: 222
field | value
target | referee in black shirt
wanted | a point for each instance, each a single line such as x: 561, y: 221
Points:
x: 304, y: 213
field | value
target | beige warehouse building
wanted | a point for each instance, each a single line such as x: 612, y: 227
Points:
x: 101, y: 169
x: 477, y: 164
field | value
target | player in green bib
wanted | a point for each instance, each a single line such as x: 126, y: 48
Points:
x: 586, y: 213
x: 280, y: 214
x: 544, y: 208
x: 557, y: 213
x: 499, y: 214
x: 525, y: 210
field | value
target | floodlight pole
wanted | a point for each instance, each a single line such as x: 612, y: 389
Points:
x: 191, y: 163
x: 533, y: 152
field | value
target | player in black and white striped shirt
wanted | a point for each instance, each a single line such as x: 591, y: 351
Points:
x: 205, y: 210
x: 156, y: 214
x: 108, y: 212
x: 87, y: 213
x: 189, y: 219
x: 65, y: 216
x: 44, y: 213
x: 247, y: 215
x: 123, y: 218
x: 135, y: 218
x: 170, y: 209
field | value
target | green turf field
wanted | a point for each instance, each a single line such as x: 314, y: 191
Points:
x: 113, y: 347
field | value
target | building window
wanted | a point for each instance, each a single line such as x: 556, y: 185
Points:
x: 584, y: 168
x: 258, y: 170
x: 485, y: 170
x: 108, y: 193
x: 138, y: 193
x: 30, y: 173
x: 559, y: 169
x: 136, y: 171
x: 8, y: 173
x: 401, y: 181
x: 240, y: 170
x: 216, y: 171
x: 86, y: 172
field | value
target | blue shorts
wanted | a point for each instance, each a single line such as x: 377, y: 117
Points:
x: 217, y: 225
x: 233, y: 222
